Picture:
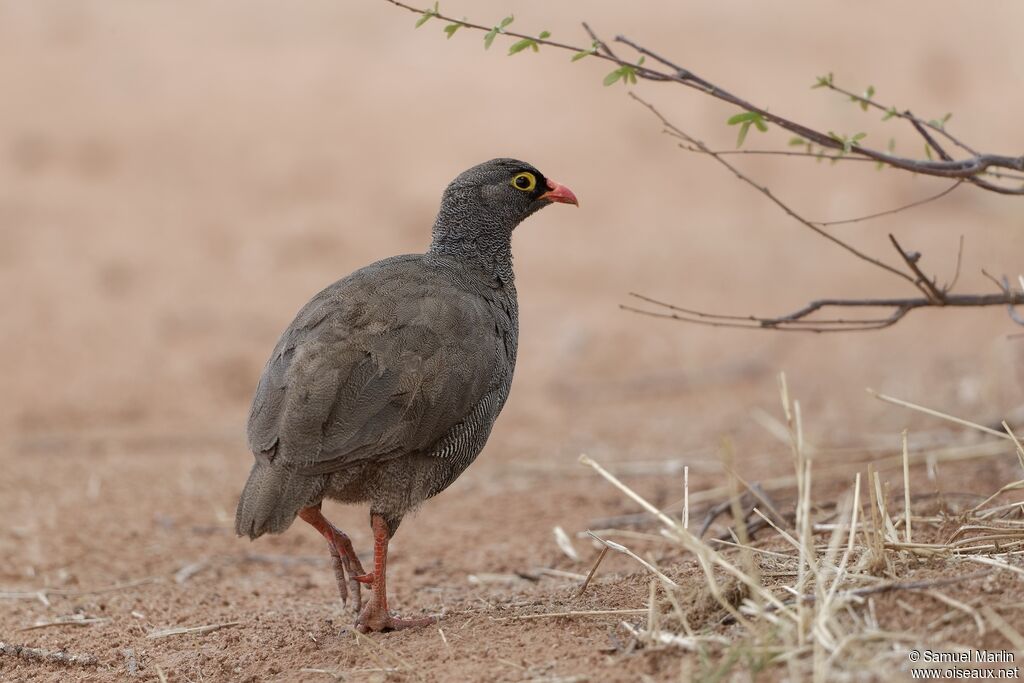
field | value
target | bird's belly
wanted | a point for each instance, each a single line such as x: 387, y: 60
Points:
x: 393, y: 486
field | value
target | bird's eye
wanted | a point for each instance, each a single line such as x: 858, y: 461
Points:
x: 524, y: 181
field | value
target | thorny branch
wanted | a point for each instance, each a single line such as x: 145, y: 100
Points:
x: 975, y: 169
x: 678, y: 133
x: 798, y: 321
x: 968, y: 168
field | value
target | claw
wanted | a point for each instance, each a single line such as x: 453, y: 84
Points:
x: 352, y: 587
x: 339, y: 573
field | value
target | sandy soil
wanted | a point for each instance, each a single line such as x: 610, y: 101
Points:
x: 176, y: 180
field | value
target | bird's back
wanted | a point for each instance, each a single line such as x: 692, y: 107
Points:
x: 407, y: 360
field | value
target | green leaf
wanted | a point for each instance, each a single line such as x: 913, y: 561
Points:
x: 625, y: 72
x: 427, y: 15
x: 529, y: 43
x: 858, y: 137
x: 797, y: 141
x: 740, y: 118
x: 493, y: 33
x: 890, y: 113
x: 867, y: 96
x: 823, y: 81
x: 585, y: 53
x: 928, y: 152
x: 450, y: 29
x: 614, y: 76
x: 621, y: 73
x: 522, y: 45
x: 743, y: 133
x: 747, y: 119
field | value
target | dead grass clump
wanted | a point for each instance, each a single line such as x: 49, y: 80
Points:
x: 807, y: 599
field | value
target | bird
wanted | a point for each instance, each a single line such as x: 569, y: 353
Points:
x: 385, y: 386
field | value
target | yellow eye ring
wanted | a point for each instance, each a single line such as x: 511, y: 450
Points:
x: 527, y: 182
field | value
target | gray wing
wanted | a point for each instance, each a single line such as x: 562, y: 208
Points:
x: 380, y: 364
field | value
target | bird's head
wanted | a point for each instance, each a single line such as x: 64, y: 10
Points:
x: 502, y: 192
x: 483, y: 205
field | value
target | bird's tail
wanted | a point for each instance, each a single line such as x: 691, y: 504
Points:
x: 272, y: 497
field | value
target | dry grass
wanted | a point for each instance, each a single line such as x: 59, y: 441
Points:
x: 803, y: 600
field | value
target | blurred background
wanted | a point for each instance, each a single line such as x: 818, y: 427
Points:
x: 176, y: 180
x: 175, y: 183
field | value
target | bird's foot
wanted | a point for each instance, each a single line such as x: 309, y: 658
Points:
x: 364, y: 578
x: 374, y: 619
x: 376, y: 616
x: 343, y: 555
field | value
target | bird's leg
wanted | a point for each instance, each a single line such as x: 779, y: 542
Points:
x: 344, y: 555
x: 375, y: 615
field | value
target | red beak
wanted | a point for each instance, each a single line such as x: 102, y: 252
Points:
x: 559, y: 193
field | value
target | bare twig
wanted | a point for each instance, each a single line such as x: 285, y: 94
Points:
x: 572, y: 614
x: 935, y: 296
x: 899, y: 209
x: 939, y: 414
x: 49, y: 656
x: 891, y: 586
x: 626, y: 551
x: 956, y: 270
x: 906, y: 115
x: 73, y: 620
x: 185, y: 630
x: 797, y: 322
x: 679, y: 133
x: 593, y: 570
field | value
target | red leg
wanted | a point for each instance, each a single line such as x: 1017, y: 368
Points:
x: 375, y: 615
x: 345, y: 559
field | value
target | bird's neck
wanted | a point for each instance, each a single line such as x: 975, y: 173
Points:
x: 484, y: 243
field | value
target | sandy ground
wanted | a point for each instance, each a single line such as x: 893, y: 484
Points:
x: 176, y: 180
